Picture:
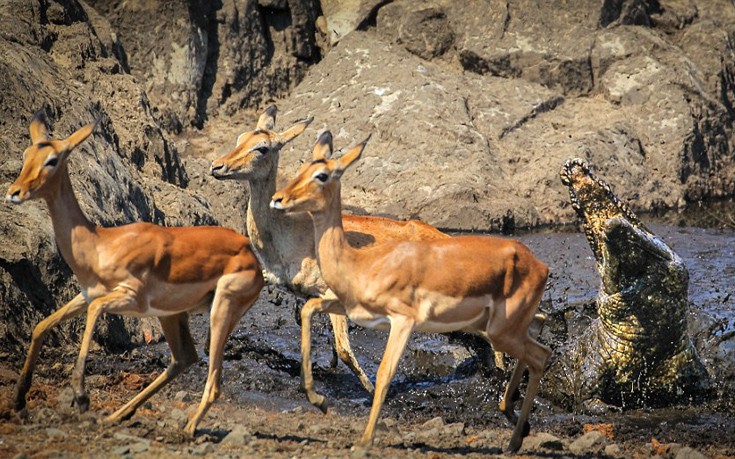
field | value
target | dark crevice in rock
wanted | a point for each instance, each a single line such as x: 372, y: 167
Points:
x: 210, y: 67
x: 543, y: 107
x: 371, y: 19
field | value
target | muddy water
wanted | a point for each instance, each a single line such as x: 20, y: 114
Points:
x: 453, y: 376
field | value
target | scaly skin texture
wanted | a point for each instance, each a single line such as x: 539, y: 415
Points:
x: 638, y: 351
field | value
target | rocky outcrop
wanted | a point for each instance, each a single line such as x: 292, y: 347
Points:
x: 642, y: 89
x: 199, y: 58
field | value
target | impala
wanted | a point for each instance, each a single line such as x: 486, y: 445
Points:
x: 138, y: 269
x: 285, y: 243
x: 485, y: 285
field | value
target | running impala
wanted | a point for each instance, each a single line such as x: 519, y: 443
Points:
x: 138, y: 269
x: 485, y: 285
x: 285, y: 243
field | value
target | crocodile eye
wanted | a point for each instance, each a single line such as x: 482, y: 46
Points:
x: 322, y: 177
x: 51, y: 162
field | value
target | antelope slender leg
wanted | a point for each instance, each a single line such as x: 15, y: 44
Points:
x: 228, y: 308
x: 537, y: 355
x: 117, y: 301
x: 307, y: 378
x: 71, y: 309
x: 400, y: 330
x: 344, y: 350
x: 183, y: 354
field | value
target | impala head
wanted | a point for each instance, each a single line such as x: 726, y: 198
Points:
x: 317, y: 183
x: 256, y: 153
x: 594, y: 201
x: 44, y: 162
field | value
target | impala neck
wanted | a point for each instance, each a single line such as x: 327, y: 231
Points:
x: 71, y: 226
x: 283, y: 243
x: 262, y: 222
x: 334, y: 253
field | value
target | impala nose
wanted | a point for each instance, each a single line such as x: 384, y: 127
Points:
x: 13, y: 196
x: 277, y: 203
x: 216, y: 169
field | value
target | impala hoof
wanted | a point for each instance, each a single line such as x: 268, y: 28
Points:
x: 365, y: 442
x: 19, y: 404
x: 514, y: 446
x: 82, y: 402
x: 190, y: 430
x: 319, y: 401
x: 19, y: 397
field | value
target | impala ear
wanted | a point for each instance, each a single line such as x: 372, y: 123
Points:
x: 78, y: 137
x: 241, y: 137
x: 267, y: 120
x: 294, y: 131
x: 39, y: 131
x: 352, y: 155
x: 323, y: 148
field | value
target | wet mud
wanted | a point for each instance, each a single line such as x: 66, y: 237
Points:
x: 448, y: 376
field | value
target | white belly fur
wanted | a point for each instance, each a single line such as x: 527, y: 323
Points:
x: 174, y: 298
x: 434, y: 313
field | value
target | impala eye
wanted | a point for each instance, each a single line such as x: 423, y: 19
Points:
x: 262, y: 150
x: 322, y: 177
x: 51, y: 162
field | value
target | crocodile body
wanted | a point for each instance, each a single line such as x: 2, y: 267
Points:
x: 638, y: 351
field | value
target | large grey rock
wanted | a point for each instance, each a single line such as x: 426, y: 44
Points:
x: 340, y: 17
x: 481, y: 149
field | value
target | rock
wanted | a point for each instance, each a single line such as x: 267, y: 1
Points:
x: 182, y: 396
x: 388, y: 425
x: 358, y: 452
x: 179, y: 418
x: 478, y: 149
x: 436, y: 358
x: 542, y: 440
x: 614, y: 451
x: 424, y: 31
x: 203, y: 449
x: 66, y: 398
x: 689, y: 453
x: 200, y: 58
x: 434, y: 423
x: 239, y: 436
x: 54, y: 432
x: 343, y: 16
x: 591, y: 442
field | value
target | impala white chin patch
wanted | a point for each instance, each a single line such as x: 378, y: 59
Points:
x: 276, y: 205
x: 15, y: 199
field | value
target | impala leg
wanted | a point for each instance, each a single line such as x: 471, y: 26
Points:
x: 227, y: 309
x: 183, y: 354
x: 400, y: 329
x: 537, y: 325
x: 536, y: 354
x: 71, y: 309
x: 344, y: 350
x: 307, y: 378
x: 507, y: 404
x: 117, y: 301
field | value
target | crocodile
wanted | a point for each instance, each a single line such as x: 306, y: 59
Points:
x: 637, y: 352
